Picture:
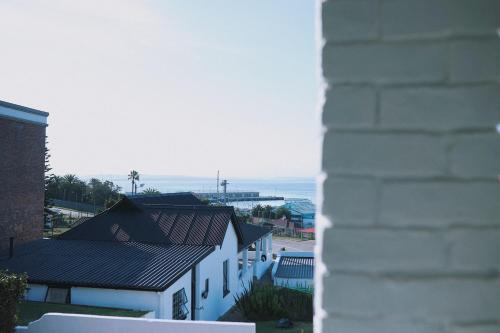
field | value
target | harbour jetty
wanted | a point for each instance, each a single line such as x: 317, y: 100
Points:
x: 236, y: 196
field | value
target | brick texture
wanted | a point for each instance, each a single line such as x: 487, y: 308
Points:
x: 411, y: 159
x: 385, y: 63
x: 430, y: 107
x: 22, y: 165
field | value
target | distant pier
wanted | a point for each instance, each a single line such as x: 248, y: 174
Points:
x: 236, y: 196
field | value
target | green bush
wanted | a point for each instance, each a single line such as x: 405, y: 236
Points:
x: 12, y: 287
x: 269, y: 302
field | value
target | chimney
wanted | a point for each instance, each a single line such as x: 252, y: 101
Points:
x: 11, y: 247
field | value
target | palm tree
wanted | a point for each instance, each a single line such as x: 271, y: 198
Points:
x: 70, y: 182
x: 133, y: 176
x: 150, y: 191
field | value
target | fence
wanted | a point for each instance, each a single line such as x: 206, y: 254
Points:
x: 80, y: 206
x: 293, y: 233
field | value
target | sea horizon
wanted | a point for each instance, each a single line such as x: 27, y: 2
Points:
x: 287, y: 187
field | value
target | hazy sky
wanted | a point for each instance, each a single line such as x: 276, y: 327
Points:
x: 167, y: 87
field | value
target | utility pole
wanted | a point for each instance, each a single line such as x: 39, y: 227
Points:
x: 224, y: 184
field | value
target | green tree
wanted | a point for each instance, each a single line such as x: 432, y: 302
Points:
x: 47, y: 176
x: 71, y: 188
x: 134, y: 177
x: 256, y: 210
x: 283, y: 211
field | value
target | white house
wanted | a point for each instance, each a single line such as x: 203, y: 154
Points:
x: 294, y: 270
x: 182, y: 261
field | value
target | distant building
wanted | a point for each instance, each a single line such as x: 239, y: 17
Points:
x: 294, y: 270
x: 302, y: 212
x: 22, y: 156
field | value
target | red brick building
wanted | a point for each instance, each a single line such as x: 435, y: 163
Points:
x: 22, y: 145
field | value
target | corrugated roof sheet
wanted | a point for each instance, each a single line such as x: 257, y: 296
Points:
x: 295, y: 267
x: 127, y: 265
x: 300, y: 206
x: 158, y: 224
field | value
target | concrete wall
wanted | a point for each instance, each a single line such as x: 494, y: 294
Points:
x: 410, y: 161
x: 71, y: 323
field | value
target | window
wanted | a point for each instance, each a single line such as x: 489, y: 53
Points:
x: 179, y: 308
x: 225, y: 272
x: 58, y: 295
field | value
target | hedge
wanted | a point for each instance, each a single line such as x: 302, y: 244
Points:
x: 12, y: 288
x: 269, y: 302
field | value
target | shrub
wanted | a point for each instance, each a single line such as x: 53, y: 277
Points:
x: 12, y: 287
x: 269, y: 302
x: 298, y: 303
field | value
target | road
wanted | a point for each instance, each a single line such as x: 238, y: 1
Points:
x: 292, y: 244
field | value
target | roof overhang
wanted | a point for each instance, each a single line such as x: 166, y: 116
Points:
x: 22, y: 113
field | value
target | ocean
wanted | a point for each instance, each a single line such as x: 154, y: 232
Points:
x: 304, y: 188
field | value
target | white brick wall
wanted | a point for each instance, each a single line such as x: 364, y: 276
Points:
x: 411, y: 161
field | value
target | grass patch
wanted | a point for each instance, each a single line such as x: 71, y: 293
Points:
x: 270, y: 327
x: 30, y: 311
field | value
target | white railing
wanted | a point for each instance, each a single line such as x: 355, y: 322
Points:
x: 74, y: 323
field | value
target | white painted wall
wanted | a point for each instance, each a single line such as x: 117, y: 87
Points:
x: 117, y: 298
x: 71, y: 323
x: 211, y: 267
x: 160, y: 302
x: 36, y: 292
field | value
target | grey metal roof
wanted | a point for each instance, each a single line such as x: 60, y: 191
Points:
x: 157, y: 224
x: 251, y: 233
x: 295, y: 267
x: 125, y: 265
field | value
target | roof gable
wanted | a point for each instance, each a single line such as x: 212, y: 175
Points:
x: 157, y: 224
x: 130, y: 221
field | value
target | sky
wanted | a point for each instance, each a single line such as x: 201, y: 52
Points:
x: 171, y: 87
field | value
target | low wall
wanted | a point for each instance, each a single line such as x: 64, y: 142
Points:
x: 66, y: 323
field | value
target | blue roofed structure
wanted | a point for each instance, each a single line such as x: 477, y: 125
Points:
x: 302, y: 212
